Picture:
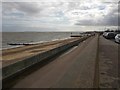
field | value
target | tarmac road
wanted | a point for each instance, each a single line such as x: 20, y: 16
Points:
x: 77, y: 68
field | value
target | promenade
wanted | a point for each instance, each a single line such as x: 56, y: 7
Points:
x: 94, y: 63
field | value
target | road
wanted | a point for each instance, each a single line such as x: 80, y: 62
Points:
x: 77, y: 68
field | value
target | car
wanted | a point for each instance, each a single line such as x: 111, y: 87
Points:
x: 109, y: 35
x: 104, y: 34
x: 117, y: 38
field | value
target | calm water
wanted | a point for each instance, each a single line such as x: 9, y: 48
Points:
x: 28, y: 37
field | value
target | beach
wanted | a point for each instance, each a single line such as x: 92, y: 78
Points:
x: 13, y: 55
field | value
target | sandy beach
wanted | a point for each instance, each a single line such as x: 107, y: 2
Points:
x: 20, y: 53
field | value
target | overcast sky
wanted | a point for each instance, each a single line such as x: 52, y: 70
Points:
x: 58, y: 15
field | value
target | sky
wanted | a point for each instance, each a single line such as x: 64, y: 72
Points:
x: 59, y: 15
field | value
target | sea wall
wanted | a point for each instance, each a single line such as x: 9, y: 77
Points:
x: 19, y: 66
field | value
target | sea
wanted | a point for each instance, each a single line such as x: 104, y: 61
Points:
x: 31, y: 37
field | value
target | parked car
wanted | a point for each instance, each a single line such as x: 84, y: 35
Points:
x: 105, y: 34
x: 117, y: 38
x: 109, y: 35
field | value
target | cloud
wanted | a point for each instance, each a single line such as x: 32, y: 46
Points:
x: 60, y: 13
x: 59, y: 0
x: 108, y: 15
x: 22, y: 7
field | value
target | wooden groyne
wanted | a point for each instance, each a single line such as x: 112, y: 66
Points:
x: 13, y: 44
x: 75, y: 36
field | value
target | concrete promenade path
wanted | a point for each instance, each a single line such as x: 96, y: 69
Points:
x: 93, y: 63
